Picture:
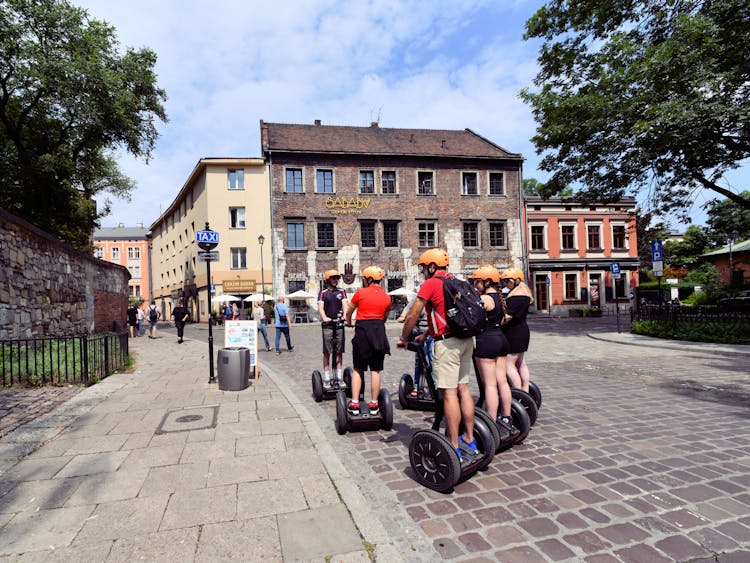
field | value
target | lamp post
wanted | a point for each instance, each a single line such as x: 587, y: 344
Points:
x: 261, y: 240
x: 732, y: 236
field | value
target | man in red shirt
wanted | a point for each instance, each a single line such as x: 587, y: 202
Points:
x: 451, y: 363
x: 370, y: 343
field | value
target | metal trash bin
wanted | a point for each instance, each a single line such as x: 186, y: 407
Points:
x: 234, y: 368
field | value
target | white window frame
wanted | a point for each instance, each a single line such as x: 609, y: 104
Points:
x: 626, y: 241
x: 545, y: 236
x: 489, y: 176
x: 237, y: 215
x: 301, y: 170
x: 115, y: 253
x: 504, y: 224
x: 478, y: 233
x: 434, y: 231
x: 134, y: 253
x: 239, y: 174
x: 464, y: 175
x: 601, y: 235
x: 395, y: 182
x: 577, y: 295
x: 373, y: 177
x: 333, y: 181
x: 575, y: 235
x: 432, y: 182
x: 238, y: 258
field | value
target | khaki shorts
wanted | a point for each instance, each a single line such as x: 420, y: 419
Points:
x: 452, y: 363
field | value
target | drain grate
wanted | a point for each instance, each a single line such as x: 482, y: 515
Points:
x: 184, y: 420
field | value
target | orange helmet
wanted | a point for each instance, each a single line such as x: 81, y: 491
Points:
x: 331, y: 273
x: 373, y: 272
x: 512, y: 274
x: 436, y: 256
x: 486, y: 272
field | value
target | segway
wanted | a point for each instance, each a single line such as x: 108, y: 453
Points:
x: 347, y: 422
x: 425, y: 398
x: 319, y: 392
x: 518, y: 413
x: 432, y: 456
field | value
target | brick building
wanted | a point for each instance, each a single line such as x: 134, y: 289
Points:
x: 127, y: 246
x: 369, y: 195
x: 571, y: 249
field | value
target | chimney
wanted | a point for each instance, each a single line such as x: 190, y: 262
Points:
x: 317, y: 122
x: 373, y: 124
x: 139, y: 225
x: 120, y: 225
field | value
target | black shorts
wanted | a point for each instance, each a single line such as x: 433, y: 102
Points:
x: 374, y: 362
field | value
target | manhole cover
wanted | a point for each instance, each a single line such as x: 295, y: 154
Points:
x: 184, y: 420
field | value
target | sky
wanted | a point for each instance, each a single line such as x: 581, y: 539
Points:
x: 225, y: 65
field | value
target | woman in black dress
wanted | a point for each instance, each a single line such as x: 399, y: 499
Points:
x: 491, y: 348
x: 517, y: 301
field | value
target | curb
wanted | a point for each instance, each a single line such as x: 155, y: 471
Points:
x: 629, y: 339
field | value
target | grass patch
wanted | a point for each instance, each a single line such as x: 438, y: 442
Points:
x: 729, y: 333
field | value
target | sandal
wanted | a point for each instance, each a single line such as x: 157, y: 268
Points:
x: 415, y: 392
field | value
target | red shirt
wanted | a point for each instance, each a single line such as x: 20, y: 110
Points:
x: 431, y: 292
x: 371, y: 303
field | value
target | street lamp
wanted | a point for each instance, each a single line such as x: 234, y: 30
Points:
x: 261, y: 240
x: 732, y: 237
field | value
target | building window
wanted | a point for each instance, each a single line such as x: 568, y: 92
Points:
x: 324, y: 182
x: 325, y: 235
x: 468, y: 183
x: 568, y: 237
x: 497, y: 234
x: 239, y: 258
x: 426, y: 232
x: 471, y: 235
x: 295, y: 235
x: 367, y: 230
x: 115, y: 254
x: 618, y: 237
x: 390, y: 234
x: 537, y: 237
x: 99, y: 252
x: 294, y: 180
x: 620, y: 286
x: 236, y: 179
x: 571, y: 286
x: 135, y: 272
x: 593, y: 236
x: 388, y: 182
x: 497, y: 183
x: 134, y: 253
x: 366, y: 182
x: 424, y: 183
x: 237, y: 217
x: 295, y: 285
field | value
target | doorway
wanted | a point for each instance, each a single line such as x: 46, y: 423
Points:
x: 542, y: 292
x: 595, y: 284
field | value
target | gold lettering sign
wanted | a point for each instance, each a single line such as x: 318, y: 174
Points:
x: 347, y: 205
x: 243, y: 286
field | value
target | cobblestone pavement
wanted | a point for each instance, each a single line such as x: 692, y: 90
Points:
x: 639, y: 454
x: 19, y: 405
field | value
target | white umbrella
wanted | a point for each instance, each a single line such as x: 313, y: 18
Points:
x: 225, y: 297
x: 257, y: 297
x: 300, y: 294
x: 402, y: 291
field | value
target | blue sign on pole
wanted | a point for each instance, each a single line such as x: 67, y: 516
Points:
x: 614, y: 267
x: 657, y: 254
x: 211, y: 237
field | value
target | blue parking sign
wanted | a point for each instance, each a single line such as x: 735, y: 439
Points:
x: 657, y: 254
x: 614, y: 267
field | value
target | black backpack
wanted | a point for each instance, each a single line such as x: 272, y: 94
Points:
x: 465, y: 313
x: 153, y: 315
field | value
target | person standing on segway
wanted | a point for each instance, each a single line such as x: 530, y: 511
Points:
x: 331, y: 306
x: 370, y: 343
x: 452, y: 364
x: 492, y: 347
x: 518, y: 300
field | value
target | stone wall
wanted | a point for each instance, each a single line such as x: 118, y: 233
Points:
x: 48, y: 288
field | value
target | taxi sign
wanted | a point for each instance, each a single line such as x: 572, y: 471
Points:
x: 207, y: 240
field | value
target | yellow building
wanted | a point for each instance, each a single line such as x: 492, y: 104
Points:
x: 232, y: 196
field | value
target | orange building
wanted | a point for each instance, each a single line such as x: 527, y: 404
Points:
x: 127, y: 246
x: 571, y: 249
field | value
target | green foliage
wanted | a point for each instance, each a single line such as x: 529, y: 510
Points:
x: 726, y: 219
x: 533, y: 187
x: 686, y: 253
x: 729, y: 333
x: 68, y: 101
x: 642, y: 95
x: 696, y: 298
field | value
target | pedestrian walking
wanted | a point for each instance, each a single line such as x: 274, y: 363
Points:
x: 281, y: 319
x: 259, y: 316
x: 141, y: 316
x: 180, y: 316
x: 153, y: 319
x: 132, y: 313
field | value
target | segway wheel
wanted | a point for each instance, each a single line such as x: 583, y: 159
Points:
x: 535, y: 392
x: 487, y: 419
x: 342, y: 416
x: 348, y: 381
x: 528, y: 403
x: 485, y: 441
x: 434, y: 460
x: 386, y: 409
x: 404, y: 390
x: 520, y: 420
x: 317, y: 386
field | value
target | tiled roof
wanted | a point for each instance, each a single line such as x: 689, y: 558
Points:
x: 739, y: 246
x: 377, y: 140
x: 120, y: 233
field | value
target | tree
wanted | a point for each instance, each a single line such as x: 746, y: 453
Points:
x: 533, y: 187
x: 728, y: 220
x: 68, y: 100
x: 642, y: 95
x: 685, y: 253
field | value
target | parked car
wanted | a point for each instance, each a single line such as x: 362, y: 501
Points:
x: 740, y: 300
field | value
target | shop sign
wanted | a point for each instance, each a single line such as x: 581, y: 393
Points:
x: 239, y: 286
x: 347, y: 205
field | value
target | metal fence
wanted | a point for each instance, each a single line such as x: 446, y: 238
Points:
x: 56, y: 361
x: 680, y: 314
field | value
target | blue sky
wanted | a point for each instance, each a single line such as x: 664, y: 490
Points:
x: 228, y: 64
